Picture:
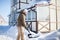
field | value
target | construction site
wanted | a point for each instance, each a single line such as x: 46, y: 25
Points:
x: 43, y: 19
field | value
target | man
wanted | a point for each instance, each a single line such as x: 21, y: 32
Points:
x: 21, y: 23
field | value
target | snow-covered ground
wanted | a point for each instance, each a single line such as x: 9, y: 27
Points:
x: 11, y: 34
x: 5, y: 37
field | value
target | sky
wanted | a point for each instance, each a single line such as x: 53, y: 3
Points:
x: 5, y: 8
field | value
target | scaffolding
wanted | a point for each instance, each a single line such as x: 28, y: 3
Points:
x: 53, y: 6
x: 52, y: 25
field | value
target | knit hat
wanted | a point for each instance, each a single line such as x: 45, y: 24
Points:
x: 26, y: 11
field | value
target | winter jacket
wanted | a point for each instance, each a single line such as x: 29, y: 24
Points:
x: 21, y: 20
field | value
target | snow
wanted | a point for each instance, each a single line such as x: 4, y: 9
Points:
x: 42, y: 2
x: 5, y: 37
x: 11, y: 34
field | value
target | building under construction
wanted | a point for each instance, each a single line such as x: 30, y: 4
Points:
x: 43, y: 18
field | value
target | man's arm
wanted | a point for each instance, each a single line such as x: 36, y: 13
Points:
x: 23, y: 20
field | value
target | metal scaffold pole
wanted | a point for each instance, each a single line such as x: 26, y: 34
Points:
x: 49, y: 20
x: 56, y: 16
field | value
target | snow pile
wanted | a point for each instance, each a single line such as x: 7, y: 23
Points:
x: 12, y: 34
x: 48, y: 36
x: 55, y: 35
x: 39, y: 36
x: 5, y: 37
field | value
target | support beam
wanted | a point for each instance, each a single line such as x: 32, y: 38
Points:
x: 56, y: 16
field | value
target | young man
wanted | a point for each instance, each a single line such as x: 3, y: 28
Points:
x: 21, y: 23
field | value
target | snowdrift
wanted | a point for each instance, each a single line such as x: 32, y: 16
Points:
x: 12, y: 34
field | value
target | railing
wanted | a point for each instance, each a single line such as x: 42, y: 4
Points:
x: 42, y: 25
x: 30, y: 25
